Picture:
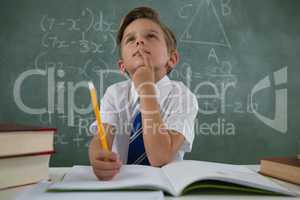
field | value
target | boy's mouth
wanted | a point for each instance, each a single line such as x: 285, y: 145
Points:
x: 137, y: 53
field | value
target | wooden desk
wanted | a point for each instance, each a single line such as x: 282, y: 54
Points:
x: 56, y: 174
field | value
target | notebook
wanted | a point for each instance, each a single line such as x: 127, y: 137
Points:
x: 39, y: 192
x: 176, y: 178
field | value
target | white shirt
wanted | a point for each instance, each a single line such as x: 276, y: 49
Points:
x: 178, y: 106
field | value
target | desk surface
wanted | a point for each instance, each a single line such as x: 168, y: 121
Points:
x: 56, y: 174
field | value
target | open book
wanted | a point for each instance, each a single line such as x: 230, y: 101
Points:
x: 175, y: 178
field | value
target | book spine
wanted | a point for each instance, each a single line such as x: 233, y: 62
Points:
x: 28, y: 154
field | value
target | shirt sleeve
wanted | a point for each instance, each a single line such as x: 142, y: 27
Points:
x: 180, y: 117
x: 108, y: 111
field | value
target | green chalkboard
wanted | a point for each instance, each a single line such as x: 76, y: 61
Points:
x: 241, y: 59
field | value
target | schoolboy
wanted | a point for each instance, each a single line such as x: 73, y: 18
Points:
x: 148, y: 119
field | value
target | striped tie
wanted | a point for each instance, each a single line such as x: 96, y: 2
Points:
x: 136, y: 150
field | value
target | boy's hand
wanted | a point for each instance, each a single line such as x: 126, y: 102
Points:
x: 105, y: 164
x: 144, y: 75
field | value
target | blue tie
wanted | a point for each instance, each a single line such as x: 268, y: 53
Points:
x: 136, y: 149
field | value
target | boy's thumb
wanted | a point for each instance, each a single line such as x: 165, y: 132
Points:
x: 112, y: 156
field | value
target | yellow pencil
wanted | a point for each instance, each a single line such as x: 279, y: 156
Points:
x: 101, y: 132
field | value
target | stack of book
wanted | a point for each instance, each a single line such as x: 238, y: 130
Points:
x: 284, y: 168
x: 24, y: 154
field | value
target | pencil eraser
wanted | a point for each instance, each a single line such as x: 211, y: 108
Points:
x: 91, y: 85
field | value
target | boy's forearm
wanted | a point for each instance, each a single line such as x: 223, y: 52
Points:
x: 157, y: 141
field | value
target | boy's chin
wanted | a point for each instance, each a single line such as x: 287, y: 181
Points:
x: 136, y: 66
x: 138, y: 63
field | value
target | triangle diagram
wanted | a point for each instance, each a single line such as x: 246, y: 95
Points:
x: 205, y: 27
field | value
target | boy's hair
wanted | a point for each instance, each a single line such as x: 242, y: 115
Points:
x: 146, y: 13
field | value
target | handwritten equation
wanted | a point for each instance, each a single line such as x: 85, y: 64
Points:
x: 74, y: 33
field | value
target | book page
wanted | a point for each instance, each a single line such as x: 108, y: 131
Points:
x: 183, y: 173
x: 39, y: 192
x: 129, y: 177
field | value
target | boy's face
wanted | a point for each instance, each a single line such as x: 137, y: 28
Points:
x: 147, y: 36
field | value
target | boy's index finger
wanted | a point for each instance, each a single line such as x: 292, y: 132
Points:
x: 146, y: 58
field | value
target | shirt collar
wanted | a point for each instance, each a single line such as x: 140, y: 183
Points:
x: 163, y: 87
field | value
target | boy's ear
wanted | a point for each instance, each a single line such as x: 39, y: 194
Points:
x: 121, y: 66
x: 173, y: 60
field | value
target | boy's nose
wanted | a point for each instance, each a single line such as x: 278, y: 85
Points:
x: 139, y: 42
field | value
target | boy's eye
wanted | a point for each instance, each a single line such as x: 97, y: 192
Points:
x: 150, y: 35
x: 129, y: 39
